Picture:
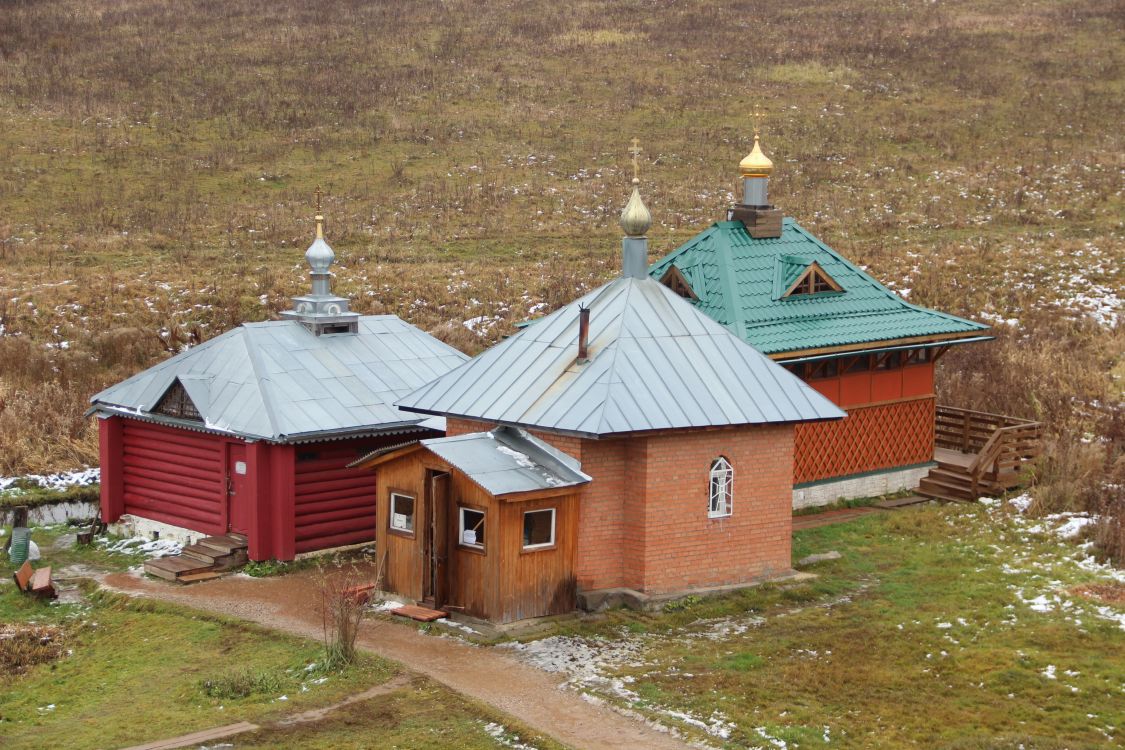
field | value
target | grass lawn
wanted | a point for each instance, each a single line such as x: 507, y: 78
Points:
x: 938, y: 627
x: 130, y: 671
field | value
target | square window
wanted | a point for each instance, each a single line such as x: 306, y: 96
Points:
x: 402, y: 513
x: 471, y: 528
x: 539, y: 528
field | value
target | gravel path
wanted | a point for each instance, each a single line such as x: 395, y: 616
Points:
x: 533, y: 697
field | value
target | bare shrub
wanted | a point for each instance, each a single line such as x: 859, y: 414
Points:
x: 344, y: 593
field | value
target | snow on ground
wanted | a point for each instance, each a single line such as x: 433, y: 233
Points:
x: 138, y: 544
x: 588, y: 662
x: 506, y: 738
x: 59, y: 481
x: 1039, y: 586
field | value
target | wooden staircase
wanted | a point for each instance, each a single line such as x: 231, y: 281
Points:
x: 208, y: 558
x: 979, y: 454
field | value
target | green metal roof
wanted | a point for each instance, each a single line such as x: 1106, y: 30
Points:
x: 740, y: 282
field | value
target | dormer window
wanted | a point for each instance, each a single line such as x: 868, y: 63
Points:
x: 814, y: 280
x: 674, y: 279
x: 177, y: 403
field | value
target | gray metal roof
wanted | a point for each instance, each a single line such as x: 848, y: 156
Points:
x: 655, y: 362
x: 278, y: 381
x: 507, y: 460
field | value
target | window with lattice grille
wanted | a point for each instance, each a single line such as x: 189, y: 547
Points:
x: 722, y: 488
x: 177, y: 403
x: 674, y: 279
x: 813, y: 281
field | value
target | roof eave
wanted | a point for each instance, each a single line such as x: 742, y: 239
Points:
x: 961, y: 337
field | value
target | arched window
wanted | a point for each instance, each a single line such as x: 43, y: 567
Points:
x: 722, y: 488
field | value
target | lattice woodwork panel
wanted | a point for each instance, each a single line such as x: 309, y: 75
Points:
x: 870, y: 438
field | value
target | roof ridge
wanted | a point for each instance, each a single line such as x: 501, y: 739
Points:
x: 260, y: 381
x: 883, y: 287
x: 611, y: 366
x: 734, y: 310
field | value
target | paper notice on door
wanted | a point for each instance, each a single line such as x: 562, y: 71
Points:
x: 240, y: 467
x: 398, y: 521
x: 469, y: 536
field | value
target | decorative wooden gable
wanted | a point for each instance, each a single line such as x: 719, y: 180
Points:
x: 177, y: 403
x: 813, y: 280
x: 674, y: 279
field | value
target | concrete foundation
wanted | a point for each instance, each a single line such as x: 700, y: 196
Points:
x: 864, y: 485
x: 130, y: 526
x: 600, y: 600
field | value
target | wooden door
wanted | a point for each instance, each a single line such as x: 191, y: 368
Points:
x: 239, y: 497
x: 435, y: 589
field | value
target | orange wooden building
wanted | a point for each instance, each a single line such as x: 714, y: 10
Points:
x: 786, y: 293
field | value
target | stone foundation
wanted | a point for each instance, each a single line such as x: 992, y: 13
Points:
x: 864, y: 485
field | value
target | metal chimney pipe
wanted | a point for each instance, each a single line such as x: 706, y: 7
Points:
x: 583, y: 334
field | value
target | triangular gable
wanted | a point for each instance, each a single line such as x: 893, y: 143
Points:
x: 787, y: 269
x: 813, y: 280
x: 177, y: 401
x: 675, y: 280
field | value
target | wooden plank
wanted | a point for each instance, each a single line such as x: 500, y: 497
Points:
x: 23, y: 575
x: 206, y: 575
x: 421, y: 614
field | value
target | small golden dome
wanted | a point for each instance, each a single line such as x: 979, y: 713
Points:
x: 756, y: 164
x: 635, y: 218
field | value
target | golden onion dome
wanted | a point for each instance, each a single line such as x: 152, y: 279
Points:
x: 635, y: 217
x: 756, y: 163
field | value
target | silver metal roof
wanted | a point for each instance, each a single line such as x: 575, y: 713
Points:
x: 507, y: 460
x: 278, y: 381
x: 655, y: 362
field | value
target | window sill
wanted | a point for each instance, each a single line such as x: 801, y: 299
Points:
x: 400, y: 532
x: 475, y: 550
x: 538, y: 548
x: 718, y: 516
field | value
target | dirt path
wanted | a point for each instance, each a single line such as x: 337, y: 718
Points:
x: 533, y: 697
x: 828, y: 517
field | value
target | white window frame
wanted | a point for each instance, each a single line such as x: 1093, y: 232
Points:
x: 461, y: 526
x: 391, y: 513
x: 542, y: 545
x: 720, y: 489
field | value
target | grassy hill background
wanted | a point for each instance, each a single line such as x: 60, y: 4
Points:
x: 158, y: 161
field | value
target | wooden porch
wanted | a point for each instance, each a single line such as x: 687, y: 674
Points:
x: 978, y: 453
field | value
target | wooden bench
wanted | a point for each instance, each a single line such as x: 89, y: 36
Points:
x: 37, y: 582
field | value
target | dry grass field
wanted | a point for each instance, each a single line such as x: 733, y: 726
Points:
x: 157, y: 165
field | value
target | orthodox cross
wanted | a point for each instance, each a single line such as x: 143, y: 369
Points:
x: 756, y: 116
x: 636, y: 151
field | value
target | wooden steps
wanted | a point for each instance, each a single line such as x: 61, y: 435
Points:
x: 208, y: 558
x: 978, y: 454
x: 421, y: 614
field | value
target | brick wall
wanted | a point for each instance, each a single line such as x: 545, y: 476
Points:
x: 684, y: 549
x: 643, y: 520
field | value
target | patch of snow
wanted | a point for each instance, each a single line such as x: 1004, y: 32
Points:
x: 505, y: 738
x: 775, y: 741
x: 57, y: 481
x: 1049, y: 672
x: 1021, y: 502
x: 138, y: 544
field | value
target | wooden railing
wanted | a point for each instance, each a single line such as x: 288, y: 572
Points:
x: 1001, y: 444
